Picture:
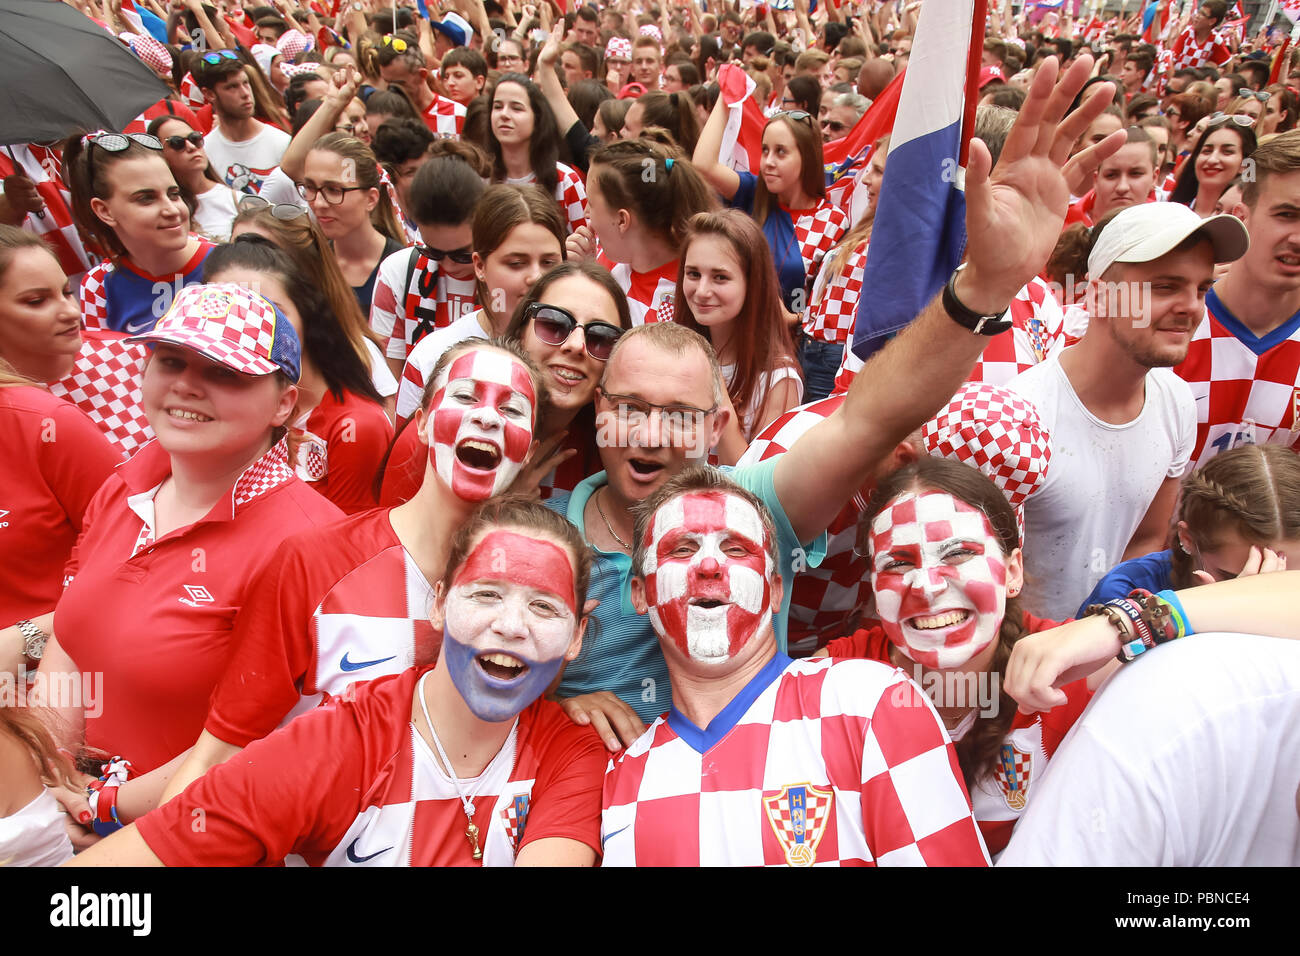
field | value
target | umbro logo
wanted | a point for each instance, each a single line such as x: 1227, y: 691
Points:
x: 196, y: 595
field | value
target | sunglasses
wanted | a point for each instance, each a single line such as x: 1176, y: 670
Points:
x: 1254, y: 94
x: 178, y: 142
x: 116, y: 142
x: 285, y: 212
x: 1221, y: 119
x: 554, y: 325
x: 397, y: 43
x: 834, y: 126
x: 216, y: 56
x: 462, y: 256
x: 798, y: 116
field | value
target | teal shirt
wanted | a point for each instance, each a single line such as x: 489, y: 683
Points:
x: 621, y: 652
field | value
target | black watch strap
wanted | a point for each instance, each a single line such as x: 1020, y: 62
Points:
x: 968, y: 318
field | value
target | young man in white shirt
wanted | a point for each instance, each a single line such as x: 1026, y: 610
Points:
x: 1122, y: 424
x: 243, y: 150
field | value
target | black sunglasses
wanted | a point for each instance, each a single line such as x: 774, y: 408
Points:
x: 462, y: 256
x: 178, y: 142
x: 554, y: 325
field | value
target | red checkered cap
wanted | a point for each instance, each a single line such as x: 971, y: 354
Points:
x: 293, y: 42
x: 230, y: 325
x: 998, y: 432
x: 618, y: 48
x: 650, y: 30
x: 293, y: 69
x: 150, y: 51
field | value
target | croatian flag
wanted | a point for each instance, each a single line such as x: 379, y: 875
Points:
x: 1291, y: 10
x: 742, y: 137
x: 920, y: 228
x: 132, y: 16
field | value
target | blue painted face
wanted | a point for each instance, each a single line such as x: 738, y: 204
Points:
x: 492, y: 698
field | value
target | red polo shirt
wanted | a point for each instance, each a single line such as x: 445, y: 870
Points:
x: 342, y: 446
x: 55, y: 459
x: 151, y: 619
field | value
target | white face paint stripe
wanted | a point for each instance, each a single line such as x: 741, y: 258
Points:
x: 670, y: 582
x: 706, y: 633
x: 492, y: 365
x: 742, y: 517
x: 671, y: 515
x: 747, y: 589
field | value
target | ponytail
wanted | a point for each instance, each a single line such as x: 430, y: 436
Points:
x: 654, y: 182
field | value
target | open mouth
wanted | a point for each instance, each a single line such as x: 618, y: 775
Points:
x: 502, y: 666
x: 186, y: 415
x: 644, y: 468
x: 936, y: 622
x: 567, y: 376
x: 479, y: 455
x: 707, y: 604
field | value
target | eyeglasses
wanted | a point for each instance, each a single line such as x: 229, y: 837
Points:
x: 333, y: 194
x: 1254, y: 94
x: 216, y: 56
x: 178, y: 142
x: 509, y: 58
x: 797, y: 116
x: 834, y: 126
x: 554, y: 325
x: 397, y: 43
x: 462, y: 256
x: 116, y: 142
x: 285, y: 212
x: 675, y: 421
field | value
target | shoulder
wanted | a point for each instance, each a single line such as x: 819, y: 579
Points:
x: 1174, y: 393
x: 294, y: 506
x: 556, y: 740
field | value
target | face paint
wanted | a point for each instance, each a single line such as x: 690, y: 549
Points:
x: 939, y: 577
x: 708, y: 574
x: 481, y: 423
x: 509, y: 621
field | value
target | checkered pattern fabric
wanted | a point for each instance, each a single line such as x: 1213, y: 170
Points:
x: 296, y: 69
x: 293, y: 42
x: 571, y: 194
x: 833, y: 763
x: 998, y: 432
x: 515, y: 816
x: 618, y: 48
x: 430, y: 300
x: 650, y: 30
x: 153, y: 53
x: 266, y: 474
x: 190, y: 91
x: 312, y: 460
x: 445, y: 118
x: 1037, y: 329
x: 94, y: 297
x: 230, y: 325
x: 816, y: 232
x: 651, y: 296
x: 826, y: 601
x: 43, y: 165
x: 1188, y: 54
x: 835, y: 309
x: 105, y: 384
x: 1245, y: 394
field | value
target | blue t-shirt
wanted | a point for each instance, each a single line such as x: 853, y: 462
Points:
x: 134, y: 301
x: 778, y: 227
x: 621, y: 653
x: 1152, y: 572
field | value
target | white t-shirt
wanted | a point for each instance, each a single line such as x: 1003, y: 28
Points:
x: 217, y: 210
x: 1186, y: 757
x: 765, y: 383
x: 35, y: 835
x: 380, y: 374
x: 1100, y: 483
x: 244, y: 164
x: 278, y: 188
x: 425, y: 355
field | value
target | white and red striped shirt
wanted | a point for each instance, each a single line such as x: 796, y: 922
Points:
x: 570, y: 193
x: 651, y: 296
x: 445, y: 118
x: 354, y: 784
x: 405, y: 310
x: 1247, y: 389
x: 832, y: 763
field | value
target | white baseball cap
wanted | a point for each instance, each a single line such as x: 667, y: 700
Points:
x: 1149, y: 230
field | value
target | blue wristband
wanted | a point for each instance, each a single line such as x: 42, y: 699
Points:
x: 1180, y: 616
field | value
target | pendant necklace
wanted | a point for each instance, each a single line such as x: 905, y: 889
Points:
x: 609, y: 527
x: 466, y: 800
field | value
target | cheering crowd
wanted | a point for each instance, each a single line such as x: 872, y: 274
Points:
x: 444, y: 436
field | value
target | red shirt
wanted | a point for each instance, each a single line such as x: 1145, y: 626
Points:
x: 55, y: 459
x: 334, y: 606
x: 352, y: 783
x: 343, y: 444
x: 151, y: 619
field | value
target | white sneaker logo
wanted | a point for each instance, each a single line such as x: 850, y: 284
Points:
x: 198, y: 595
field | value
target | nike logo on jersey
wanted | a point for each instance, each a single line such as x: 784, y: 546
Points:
x: 135, y: 328
x: 348, y: 665
x: 609, y: 836
x: 352, y: 852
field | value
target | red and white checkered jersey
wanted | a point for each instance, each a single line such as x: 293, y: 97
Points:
x: 1037, y: 329
x: 833, y: 763
x: 834, y: 306
x: 826, y: 601
x: 651, y: 296
x: 43, y: 165
x: 1188, y: 54
x: 332, y: 607
x: 817, y: 231
x: 1247, y: 389
x: 570, y: 193
x: 445, y: 118
x: 999, y: 798
x: 403, y: 312
x: 354, y: 784
x: 105, y: 384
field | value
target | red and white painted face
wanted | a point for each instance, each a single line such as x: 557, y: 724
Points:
x: 481, y: 423
x: 708, y: 574
x: 939, y: 576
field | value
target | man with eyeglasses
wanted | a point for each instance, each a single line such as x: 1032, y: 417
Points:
x: 844, y: 113
x: 661, y: 406
x: 243, y: 150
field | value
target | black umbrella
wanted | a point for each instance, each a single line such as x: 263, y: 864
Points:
x: 61, y: 73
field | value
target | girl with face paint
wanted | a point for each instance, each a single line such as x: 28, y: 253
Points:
x: 353, y: 604
x: 473, y: 768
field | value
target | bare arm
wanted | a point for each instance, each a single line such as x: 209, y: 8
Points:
x: 1153, y: 530
x: 210, y: 32
x: 126, y: 847
x: 1013, y: 219
x: 556, y: 851
x: 323, y: 121
x: 549, y: 81
x: 207, y: 752
x: 12, y: 642
x: 708, y: 149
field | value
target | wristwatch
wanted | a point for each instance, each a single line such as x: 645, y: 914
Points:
x: 33, y: 639
x: 967, y: 318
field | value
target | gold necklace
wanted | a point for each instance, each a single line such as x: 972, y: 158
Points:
x: 609, y: 527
